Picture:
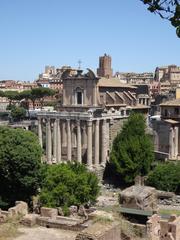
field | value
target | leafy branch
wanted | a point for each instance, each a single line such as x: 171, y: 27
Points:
x: 166, y: 9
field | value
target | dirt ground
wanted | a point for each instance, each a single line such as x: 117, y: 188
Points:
x: 42, y: 233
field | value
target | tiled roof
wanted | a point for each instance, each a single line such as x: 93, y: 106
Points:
x: 113, y: 82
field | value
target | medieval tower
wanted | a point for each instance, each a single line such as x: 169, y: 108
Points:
x: 105, y: 69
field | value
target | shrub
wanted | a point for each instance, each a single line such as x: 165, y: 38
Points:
x: 165, y: 177
x: 68, y: 184
x: 20, y: 165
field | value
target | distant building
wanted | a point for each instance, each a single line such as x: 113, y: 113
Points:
x: 169, y: 74
x: 135, y: 78
x: 12, y: 85
x: 51, y: 77
x: 105, y: 69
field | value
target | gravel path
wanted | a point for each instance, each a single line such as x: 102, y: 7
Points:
x: 42, y: 233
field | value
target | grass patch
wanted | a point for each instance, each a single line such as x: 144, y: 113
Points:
x: 110, y: 208
x: 9, y: 229
x: 102, y: 219
x: 169, y: 212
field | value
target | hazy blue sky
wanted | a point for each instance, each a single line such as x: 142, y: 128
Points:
x: 35, y: 33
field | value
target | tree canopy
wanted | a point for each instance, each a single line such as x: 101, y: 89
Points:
x: 40, y: 93
x: 166, y: 9
x: 132, y: 150
x: 18, y: 113
x: 34, y: 94
x: 68, y: 184
x: 20, y: 165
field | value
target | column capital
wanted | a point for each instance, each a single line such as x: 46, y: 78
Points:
x: 78, y: 122
x: 57, y: 120
x: 48, y: 120
x: 89, y: 123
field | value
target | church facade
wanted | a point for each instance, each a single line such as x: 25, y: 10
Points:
x: 92, y: 112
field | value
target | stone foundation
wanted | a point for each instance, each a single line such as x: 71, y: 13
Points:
x: 101, y: 231
x: 158, y: 229
x: 20, y: 209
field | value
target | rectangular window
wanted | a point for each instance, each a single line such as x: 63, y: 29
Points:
x: 176, y: 111
x: 79, y: 97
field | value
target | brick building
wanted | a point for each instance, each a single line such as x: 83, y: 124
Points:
x: 105, y: 69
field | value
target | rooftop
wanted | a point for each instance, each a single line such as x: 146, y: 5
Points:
x: 113, y: 82
x: 175, y: 102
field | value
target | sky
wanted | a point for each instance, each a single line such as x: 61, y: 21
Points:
x: 36, y: 33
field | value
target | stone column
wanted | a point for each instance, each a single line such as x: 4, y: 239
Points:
x: 54, y: 141
x: 171, y: 143
x: 84, y: 138
x: 89, y: 143
x: 48, y: 141
x: 107, y: 140
x: 79, y: 153
x: 103, y: 145
x: 96, y: 145
x: 176, y: 142
x: 73, y: 136
x: 58, y: 140
x: 40, y: 131
x: 69, y: 148
x: 64, y: 134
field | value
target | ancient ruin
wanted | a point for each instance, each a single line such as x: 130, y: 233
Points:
x: 139, y: 196
x: 163, y: 229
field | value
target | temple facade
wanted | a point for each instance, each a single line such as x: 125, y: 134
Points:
x: 92, y: 112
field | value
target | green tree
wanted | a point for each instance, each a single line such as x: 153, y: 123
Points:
x: 24, y: 96
x: 20, y: 165
x: 12, y: 96
x: 132, y: 150
x: 165, y: 177
x: 166, y: 9
x: 68, y: 184
x: 40, y: 94
x: 2, y: 94
x: 18, y: 113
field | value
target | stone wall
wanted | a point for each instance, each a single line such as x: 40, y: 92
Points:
x: 115, y: 127
x: 20, y: 209
x: 159, y: 229
x: 101, y: 231
x: 161, y: 136
x: 49, y: 212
